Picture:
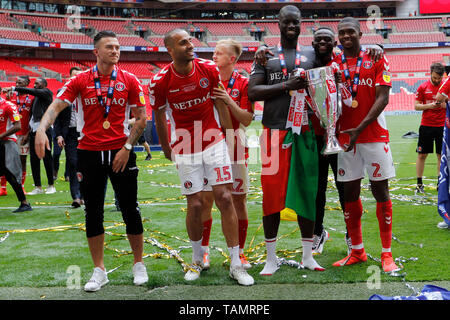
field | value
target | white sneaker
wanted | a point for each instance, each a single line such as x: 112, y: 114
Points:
x: 140, y: 274
x: 311, y: 264
x: 194, y: 271
x: 240, y: 274
x: 50, y: 190
x: 35, y: 191
x: 269, y: 268
x: 319, y: 242
x: 443, y: 225
x: 99, y: 279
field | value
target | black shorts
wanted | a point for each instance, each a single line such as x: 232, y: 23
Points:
x: 141, y: 139
x: 429, y: 136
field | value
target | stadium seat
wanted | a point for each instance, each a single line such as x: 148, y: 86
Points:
x: 18, y: 34
x: 68, y: 37
x: 417, y: 37
x: 413, y: 62
x: 224, y: 28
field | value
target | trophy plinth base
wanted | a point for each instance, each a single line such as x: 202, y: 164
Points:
x: 332, y: 147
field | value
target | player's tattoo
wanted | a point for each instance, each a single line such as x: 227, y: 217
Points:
x: 138, y: 127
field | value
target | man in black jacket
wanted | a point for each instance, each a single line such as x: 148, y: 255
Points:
x: 67, y: 138
x: 43, y: 98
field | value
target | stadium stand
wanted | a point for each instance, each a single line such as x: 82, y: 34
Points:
x: 11, y: 68
x: 417, y: 37
x: 18, y: 34
x: 47, y: 23
x: 416, y: 25
x: 132, y: 41
x: 413, y: 62
x: 39, y: 65
x: 67, y: 37
x: 5, y: 22
x: 116, y: 26
x: 160, y: 28
x: 224, y: 28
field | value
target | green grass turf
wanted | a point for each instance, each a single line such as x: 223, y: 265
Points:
x: 32, y: 255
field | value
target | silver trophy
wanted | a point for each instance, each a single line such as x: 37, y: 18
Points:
x: 325, y: 100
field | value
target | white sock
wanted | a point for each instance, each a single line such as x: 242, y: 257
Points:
x: 271, y: 247
x: 307, y: 244
x: 307, y: 257
x: 197, y: 251
x: 271, y: 265
x: 234, y: 255
x: 385, y: 250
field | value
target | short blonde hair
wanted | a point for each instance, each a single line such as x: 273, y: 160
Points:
x: 236, y: 47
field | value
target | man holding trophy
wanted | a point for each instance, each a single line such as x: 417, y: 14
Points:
x: 364, y: 135
x: 281, y: 147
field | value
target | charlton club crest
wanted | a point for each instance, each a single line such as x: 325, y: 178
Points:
x: 119, y: 86
x: 204, y: 83
x: 187, y: 185
x: 367, y: 64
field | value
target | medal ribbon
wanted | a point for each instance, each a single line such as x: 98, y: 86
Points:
x: 352, y: 87
x: 98, y: 89
x: 232, y: 81
x: 27, y: 100
x: 283, y: 61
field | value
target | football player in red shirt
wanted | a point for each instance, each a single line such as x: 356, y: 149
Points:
x: 10, y: 165
x: 442, y: 97
x: 184, y: 91
x: 226, y: 54
x: 432, y: 125
x: 105, y: 95
x: 23, y: 103
x: 364, y: 135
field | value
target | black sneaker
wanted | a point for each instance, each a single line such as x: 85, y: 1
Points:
x: 76, y: 204
x: 24, y: 207
x: 149, y: 157
x: 420, y: 189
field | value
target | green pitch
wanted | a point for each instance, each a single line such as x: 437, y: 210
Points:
x: 44, y: 252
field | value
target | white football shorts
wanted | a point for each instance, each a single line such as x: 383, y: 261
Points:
x: 374, y: 158
x: 211, y: 166
x: 240, y: 179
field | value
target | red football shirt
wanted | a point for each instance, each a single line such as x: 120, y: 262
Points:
x: 128, y: 93
x: 239, y: 95
x: 188, y: 101
x: 426, y: 93
x: 23, y: 103
x: 445, y: 88
x: 8, y: 115
x: 372, y: 74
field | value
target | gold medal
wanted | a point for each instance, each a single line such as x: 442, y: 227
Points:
x: 354, y: 104
x: 106, y: 124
